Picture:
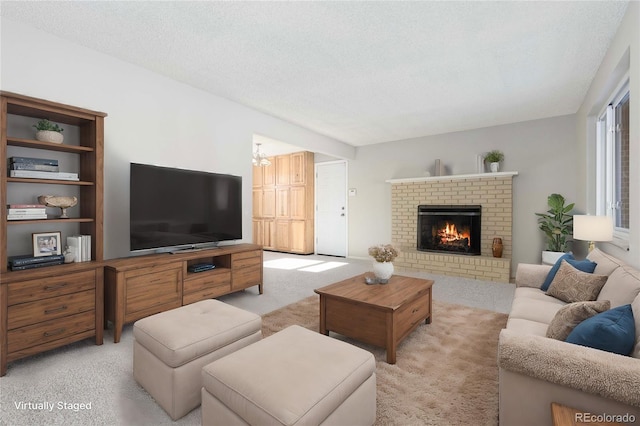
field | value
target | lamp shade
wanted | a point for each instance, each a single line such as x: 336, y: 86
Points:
x: 592, y: 228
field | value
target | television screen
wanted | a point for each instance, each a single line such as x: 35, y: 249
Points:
x: 174, y: 207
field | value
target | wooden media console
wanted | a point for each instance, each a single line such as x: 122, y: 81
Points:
x: 136, y: 287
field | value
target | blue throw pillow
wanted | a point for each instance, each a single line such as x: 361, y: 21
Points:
x: 612, y: 331
x: 554, y: 269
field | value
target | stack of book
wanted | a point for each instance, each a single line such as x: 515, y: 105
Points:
x: 26, y: 211
x: 21, y: 262
x: 80, y: 246
x: 38, y: 168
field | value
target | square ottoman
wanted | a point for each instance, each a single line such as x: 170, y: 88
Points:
x: 170, y: 349
x: 293, y: 377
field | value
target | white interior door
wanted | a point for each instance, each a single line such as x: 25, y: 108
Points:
x: 331, y: 208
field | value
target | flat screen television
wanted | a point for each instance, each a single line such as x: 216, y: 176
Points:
x: 174, y: 208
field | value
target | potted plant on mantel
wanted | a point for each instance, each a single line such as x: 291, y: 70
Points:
x: 47, y: 131
x: 556, y: 224
x: 494, y: 158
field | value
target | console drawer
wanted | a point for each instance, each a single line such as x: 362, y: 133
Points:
x: 28, y: 291
x: 208, y: 280
x: 246, y: 259
x: 411, y: 314
x: 40, y: 334
x: 47, y: 309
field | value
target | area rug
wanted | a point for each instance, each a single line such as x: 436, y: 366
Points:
x: 446, y: 372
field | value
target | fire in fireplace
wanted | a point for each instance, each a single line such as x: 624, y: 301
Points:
x: 450, y: 229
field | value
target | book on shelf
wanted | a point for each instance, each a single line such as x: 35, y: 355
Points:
x: 26, y: 259
x: 17, y: 216
x: 31, y: 160
x: 80, y: 246
x: 26, y: 206
x: 29, y: 210
x: 37, y: 265
x: 33, y: 166
x: 35, y: 174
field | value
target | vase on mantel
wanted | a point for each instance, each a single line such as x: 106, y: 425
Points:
x: 383, y: 271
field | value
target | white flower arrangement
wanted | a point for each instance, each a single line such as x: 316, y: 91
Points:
x: 383, y: 253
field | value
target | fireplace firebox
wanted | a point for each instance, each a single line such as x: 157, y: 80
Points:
x: 449, y: 229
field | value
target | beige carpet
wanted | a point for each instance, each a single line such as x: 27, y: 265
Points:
x: 446, y: 372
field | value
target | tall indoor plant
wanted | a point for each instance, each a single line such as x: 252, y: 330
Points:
x: 556, y: 224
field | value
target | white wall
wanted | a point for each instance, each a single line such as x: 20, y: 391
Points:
x: 152, y: 119
x: 541, y: 151
x: 623, y: 52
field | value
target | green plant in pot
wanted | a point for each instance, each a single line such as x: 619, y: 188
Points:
x: 494, y: 158
x: 557, y: 225
x: 46, y: 131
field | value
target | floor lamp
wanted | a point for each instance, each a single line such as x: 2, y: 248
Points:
x: 592, y: 229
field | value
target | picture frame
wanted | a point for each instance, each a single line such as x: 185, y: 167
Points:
x: 46, y: 243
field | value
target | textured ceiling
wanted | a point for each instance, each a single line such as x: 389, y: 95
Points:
x: 360, y: 72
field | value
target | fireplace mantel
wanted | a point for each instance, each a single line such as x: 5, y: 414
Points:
x: 452, y: 177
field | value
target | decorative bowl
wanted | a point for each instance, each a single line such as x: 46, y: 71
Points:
x: 61, y: 201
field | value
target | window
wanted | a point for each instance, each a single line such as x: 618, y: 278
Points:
x: 612, y: 157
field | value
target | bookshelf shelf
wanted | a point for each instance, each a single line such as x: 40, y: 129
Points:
x: 31, y: 143
x: 50, y: 181
x: 33, y: 222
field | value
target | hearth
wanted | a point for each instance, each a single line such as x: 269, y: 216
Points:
x: 449, y: 229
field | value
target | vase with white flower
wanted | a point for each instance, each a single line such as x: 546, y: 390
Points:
x: 383, y: 256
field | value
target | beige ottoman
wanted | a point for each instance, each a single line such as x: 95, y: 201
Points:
x: 293, y: 377
x: 171, y: 347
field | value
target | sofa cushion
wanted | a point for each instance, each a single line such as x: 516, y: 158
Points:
x: 582, y: 265
x: 635, y: 308
x: 554, y: 270
x: 605, y: 264
x: 525, y: 326
x: 611, y: 331
x: 569, y: 316
x: 534, y: 309
x: 622, y: 287
x: 572, y: 285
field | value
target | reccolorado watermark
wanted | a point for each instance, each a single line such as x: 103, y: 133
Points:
x: 604, y: 418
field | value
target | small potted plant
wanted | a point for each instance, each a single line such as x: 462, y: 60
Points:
x: 494, y: 158
x: 46, y: 131
x: 556, y: 224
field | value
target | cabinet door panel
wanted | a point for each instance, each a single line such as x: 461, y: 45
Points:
x: 282, y: 203
x: 298, y: 168
x: 269, y: 173
x: 283, y: 170
x: 297, y: 236
x: 257, y: 203
x: 268, y: 232
x: 298, y: 202
x: 147, y: 291
x: 258, y: 232
x: 269, y: 203
x: 282, y: 235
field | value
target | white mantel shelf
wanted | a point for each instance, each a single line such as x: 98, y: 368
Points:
x: 452, y: 177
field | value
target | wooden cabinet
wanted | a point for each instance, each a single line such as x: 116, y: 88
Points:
x: 136, y: 287
x: 44, y: 308
x: 289, y: 201
x: 283, y: 170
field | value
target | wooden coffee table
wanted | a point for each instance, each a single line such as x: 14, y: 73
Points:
x: 381, y: 314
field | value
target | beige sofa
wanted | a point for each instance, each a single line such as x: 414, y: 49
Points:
x: 536, y: 371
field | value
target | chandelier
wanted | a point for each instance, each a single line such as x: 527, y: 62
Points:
x: 260, y: 159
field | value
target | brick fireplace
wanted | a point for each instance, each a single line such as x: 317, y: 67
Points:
x: 490, y: 192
